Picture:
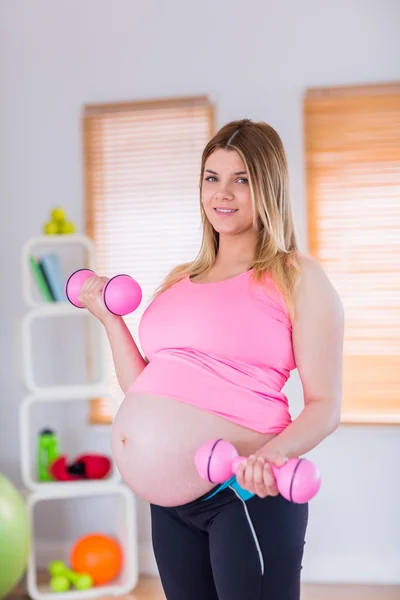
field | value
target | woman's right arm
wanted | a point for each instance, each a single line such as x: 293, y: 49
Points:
x: 128, y: 361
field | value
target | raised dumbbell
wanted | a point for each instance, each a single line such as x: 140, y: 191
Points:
x: 121, y: 294
x: 298, y: 480
x: 62, y: 578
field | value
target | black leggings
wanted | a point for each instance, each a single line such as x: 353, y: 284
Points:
x: 228, y: 548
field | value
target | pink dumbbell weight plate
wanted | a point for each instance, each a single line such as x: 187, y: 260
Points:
x: 74, y: 285
x: 122, y: 295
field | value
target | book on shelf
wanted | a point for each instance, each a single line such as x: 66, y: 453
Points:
x: 46, y: 280
x: 40, y: 280
x: 51, y: 266
x: 49, y: 277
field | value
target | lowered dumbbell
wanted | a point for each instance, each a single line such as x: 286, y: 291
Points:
x: 298, y: 480
x: 121, y: 295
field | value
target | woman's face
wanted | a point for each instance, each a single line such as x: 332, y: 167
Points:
x: 225, y: 193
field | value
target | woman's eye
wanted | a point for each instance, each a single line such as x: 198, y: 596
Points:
x: 211, y: 179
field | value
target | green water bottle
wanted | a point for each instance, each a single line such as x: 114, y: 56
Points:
x: 47, y: 453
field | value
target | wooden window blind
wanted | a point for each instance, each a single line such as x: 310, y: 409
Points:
x: 352, y: 146
x: 142, y: 167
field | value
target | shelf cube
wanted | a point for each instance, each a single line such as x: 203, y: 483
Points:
x: 73, y: 251
x: 67, y: 417
x: 63, y: 346
x: 78, y: 510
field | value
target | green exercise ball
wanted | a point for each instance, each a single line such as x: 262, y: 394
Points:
x: 14, y: 536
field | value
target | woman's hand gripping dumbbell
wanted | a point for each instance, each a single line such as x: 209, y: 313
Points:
x: 298, y: 480
x: 119, y: 295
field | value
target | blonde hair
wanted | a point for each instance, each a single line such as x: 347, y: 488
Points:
x: 261, y: 150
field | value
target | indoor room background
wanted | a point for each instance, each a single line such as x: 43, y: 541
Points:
x: 254, y: 59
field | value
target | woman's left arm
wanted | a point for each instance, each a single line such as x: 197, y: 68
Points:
x: 318, y: 348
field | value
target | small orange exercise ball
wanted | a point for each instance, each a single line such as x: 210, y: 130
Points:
x: 98, y: 555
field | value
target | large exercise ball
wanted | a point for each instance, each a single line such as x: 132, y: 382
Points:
x: 14, y: 536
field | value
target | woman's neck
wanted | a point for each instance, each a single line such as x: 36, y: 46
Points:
x: 236, y: 251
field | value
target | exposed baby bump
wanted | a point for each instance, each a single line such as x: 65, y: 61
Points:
x: 154, y: 442
x: 153, y: 448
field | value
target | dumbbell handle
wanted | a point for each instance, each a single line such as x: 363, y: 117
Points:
x: 72, y: 576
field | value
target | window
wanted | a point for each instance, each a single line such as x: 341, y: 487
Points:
x: 142, y: 169
x: 352, y: 145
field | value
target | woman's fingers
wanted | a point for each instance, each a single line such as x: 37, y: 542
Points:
x: 240, y: 474
x: 258, y: 478
x: 92, y: 288
x: 269, y: 481
x: 91, y: 297
x: 94, y: 284
x: 249, y: 474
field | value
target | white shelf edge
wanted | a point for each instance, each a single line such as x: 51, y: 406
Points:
x: 60, y: 239
x: 67, y: 392
x: 54, y: 309
x: 39, y: 592
x: 102, y: 488
x: 74, y: 489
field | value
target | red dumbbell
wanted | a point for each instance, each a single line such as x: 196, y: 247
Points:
x: 85, y: 466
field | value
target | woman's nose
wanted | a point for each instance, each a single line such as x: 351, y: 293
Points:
x: 223, y: 193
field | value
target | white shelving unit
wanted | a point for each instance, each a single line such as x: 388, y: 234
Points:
x: 37, y: 492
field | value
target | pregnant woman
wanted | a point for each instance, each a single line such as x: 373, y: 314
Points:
x: 220, y: 338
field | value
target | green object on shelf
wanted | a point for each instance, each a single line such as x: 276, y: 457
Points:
x: 83, y: 582
x: 47, y: 453
x: 60, y: 573
x: 59, y: 583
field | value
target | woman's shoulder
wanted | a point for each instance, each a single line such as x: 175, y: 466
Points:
x: 311, y: 270
x: 309, y: 265
x: 314, y: 282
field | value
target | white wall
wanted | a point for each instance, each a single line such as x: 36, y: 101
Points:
x: 254, y: 59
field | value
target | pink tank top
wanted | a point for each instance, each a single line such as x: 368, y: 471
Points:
x: 225, y: 347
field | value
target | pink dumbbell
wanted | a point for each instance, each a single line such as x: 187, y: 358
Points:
x: 121, y: 294
x: 298, y: 480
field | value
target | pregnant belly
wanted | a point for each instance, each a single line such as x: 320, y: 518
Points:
x: 154, y: 440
